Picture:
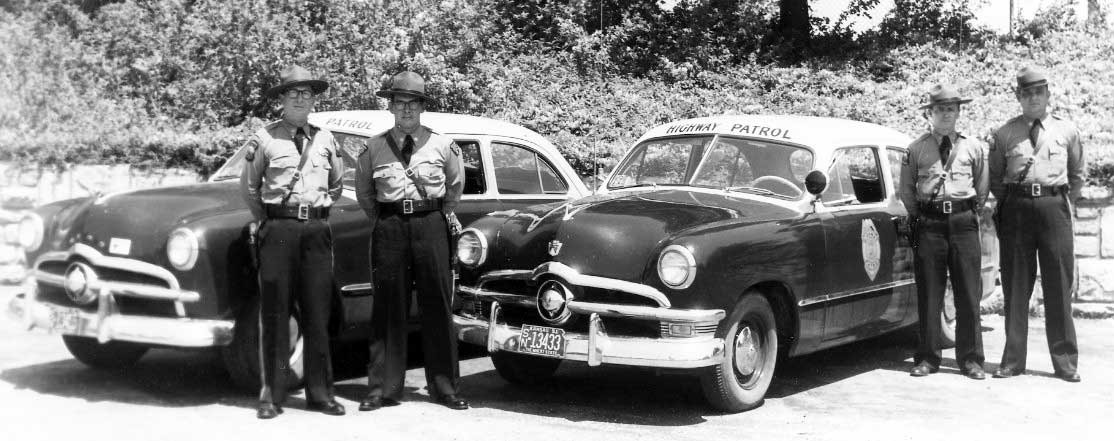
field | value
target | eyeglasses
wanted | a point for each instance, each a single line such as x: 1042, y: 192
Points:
x: 299, y: 93
x: 407, y: 105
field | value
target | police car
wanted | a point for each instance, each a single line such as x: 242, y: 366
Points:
x: 717, y: 246
x: 116, y: 274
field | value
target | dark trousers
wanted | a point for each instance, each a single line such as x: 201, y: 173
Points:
x: 295, y: 266
x: 1036, y: 230
x: 411, y: 251
x: 949, y: 245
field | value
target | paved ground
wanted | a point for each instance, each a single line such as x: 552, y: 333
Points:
x: 860, y: 392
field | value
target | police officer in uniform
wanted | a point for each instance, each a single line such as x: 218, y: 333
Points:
x: 291, y: 178
x: 409, y: 181
x: 1036, y: 172
x: 943, y: 185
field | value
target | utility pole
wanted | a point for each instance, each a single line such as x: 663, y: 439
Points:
x: 1011, y: 18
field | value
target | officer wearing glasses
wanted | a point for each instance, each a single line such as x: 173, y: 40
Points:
x: 291, y: 178
x: 1036, y: 172
x: 409, y: 181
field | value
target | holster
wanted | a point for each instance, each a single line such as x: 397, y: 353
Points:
x: 253, y: 244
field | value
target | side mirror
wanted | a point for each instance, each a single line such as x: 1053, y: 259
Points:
x: 816, y: 182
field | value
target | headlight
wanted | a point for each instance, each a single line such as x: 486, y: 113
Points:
x: 31, y: 232
x: 471, y: 248
x: 677, y: 267
x: 182, y: 248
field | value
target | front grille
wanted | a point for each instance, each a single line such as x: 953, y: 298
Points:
x: 127, y: 305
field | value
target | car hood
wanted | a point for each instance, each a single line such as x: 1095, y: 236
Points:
x: 618, y: 235
x: 143, y: 217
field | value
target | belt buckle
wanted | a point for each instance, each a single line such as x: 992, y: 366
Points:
x: 407, y: 206
x: 1035, y: 190
x: 303, y: 212
x: 947, y: 207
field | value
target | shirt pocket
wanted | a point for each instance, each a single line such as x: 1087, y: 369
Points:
x: 1057, y: 158
x: 961, y: 169
x: 280, y: 166
x: 388, y: 176
x: 432, y: 174
x: 320, y: 160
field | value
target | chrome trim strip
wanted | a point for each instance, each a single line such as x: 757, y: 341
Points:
x: 597, y: 347
x: 854, y: 292
x: 356, y: 287
x: 574, y: 277
x: 604, y: 309
x: 125, y: 264
x: 505, y: 274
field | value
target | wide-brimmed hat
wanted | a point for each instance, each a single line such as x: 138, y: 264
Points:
x: 1030, y: 77
x: 405, y: 83
x: 942, y: 94
x: 294, y: 76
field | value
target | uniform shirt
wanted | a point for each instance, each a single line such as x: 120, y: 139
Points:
x: 965, y: 175
x: 437, y: 166
x: 1057, y: 158
x: 265, y: 179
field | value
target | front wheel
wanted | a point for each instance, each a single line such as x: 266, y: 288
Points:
x: 523, y: 369
x: 750, y: 336
x: 111, y: 355
x: 242, y: 357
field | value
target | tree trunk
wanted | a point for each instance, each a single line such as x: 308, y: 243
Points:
x: 793, y: 22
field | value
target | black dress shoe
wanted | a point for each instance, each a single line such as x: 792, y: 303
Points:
x: 370, y: 404
x: 1070, y: 378
x: 976, y: 373
x: 1005, y: 373
x: 922, y: 370
x: 267, y: 411
x: 452, y: 402
x: 330, y: 407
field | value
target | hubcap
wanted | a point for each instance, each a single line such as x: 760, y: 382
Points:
x: 747, y: 352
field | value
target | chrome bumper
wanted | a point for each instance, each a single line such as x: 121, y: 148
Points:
x: 108, y: 324
x: 597, y: 347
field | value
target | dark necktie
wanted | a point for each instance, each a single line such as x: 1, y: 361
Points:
x: 945, y: 149
x: 1034, y: 132
x: 407, y: 150
x: 300, y: 139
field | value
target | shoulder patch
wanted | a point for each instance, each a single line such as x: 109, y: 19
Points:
x: 905, y: 158
x: 455, y: 148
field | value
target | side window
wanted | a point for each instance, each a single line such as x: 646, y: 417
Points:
x: 521, y: 171
x: 854, y: 178
x: 474, y: 182
x: 350, y: 147
x: 896, y: 157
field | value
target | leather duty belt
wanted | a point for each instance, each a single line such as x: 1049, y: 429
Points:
x: 943, y: 208
x: 410, y: 206
x: 300, y: 212
x: 1036, y: 190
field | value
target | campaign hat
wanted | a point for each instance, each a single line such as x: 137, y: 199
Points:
x: 404, y: 83
x: 1031, y: 77
x: 944, y: 94
x: 294, y: 76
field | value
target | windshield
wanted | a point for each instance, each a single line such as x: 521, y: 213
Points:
x: 350, y: 146
x: 734, y: 164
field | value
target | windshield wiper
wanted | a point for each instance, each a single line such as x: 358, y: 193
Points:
x: 640, y: 184
x: 755, y: 190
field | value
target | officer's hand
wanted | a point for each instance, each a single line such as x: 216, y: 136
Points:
x: 454, y: 224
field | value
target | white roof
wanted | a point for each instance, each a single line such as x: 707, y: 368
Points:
x: 816, y: 132
x: 374, y: 122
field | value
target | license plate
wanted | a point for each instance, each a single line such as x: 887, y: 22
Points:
x: 64, y: 320
x: 542, y: 340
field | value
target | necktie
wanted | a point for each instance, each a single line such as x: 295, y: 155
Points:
x: 407, y: 150
x: 299, y: 139
x: 945, y: 149
x: 1034, y: 132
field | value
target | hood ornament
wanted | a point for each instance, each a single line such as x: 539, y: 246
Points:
x: 555, y: 247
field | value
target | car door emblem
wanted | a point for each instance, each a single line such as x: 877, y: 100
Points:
x: 554, y: 247
x: 872, y: 249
